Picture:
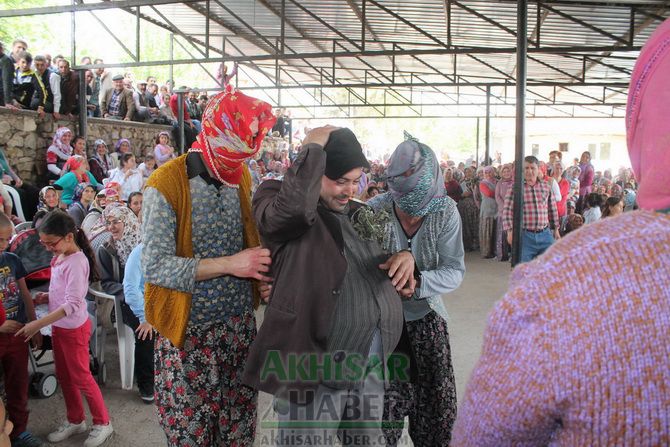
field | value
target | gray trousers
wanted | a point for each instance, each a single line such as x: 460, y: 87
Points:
x: 352, y: 415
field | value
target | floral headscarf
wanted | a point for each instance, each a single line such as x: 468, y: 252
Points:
x: 105, y: 161
x: 226, y: 140
x: 73, y: 163
x: 491, y: 183
x: 62, y: 150
x: 507, y: 167
x: 42, y: 196
x: 616, y: 190
x: 131, y: 229
x: 423, y: 191
x: 79, y: 191
x: 116, y: 186
x: 110, y: 193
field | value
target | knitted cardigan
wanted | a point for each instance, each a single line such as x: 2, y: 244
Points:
x: 168, y: 310
x: 577, y: 353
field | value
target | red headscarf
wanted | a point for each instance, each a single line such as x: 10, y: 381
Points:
x: 226, y: 139
x: 73, y: 163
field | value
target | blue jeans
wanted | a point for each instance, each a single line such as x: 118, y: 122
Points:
x: 534, y: 244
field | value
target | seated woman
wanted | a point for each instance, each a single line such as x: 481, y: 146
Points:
x: 128, y: 176
x: 133, y: 289
x: 122, y: 147
x: 111, y: 259
x: 58, y: 153
x: 82, y: 198
x: 613, y: 206
x: 49, y: 199
x: 135, y: 204
x: 593, y: 213
x: 75, y: 173
x: 94, y: 224
x: 101, y: 162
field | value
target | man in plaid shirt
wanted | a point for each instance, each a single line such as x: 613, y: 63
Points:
x: 540, y: 215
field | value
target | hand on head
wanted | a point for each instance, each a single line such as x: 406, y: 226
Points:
x: 319, y: 136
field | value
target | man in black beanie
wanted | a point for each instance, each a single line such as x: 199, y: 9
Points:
x: 335, y: 313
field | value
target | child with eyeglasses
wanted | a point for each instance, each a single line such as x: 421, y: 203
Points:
x: 72, y: 267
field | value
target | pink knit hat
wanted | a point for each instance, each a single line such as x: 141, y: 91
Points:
x: 648, y: 120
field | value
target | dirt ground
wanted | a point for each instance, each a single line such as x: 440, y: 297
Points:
x: 136, y: 424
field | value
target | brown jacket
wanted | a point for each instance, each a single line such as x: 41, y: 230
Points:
x: 127, y: 106
x: 308, y: 267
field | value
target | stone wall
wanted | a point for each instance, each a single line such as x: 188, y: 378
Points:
x: 25, y: 137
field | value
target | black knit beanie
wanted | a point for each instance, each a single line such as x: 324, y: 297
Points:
x: 343, y: 153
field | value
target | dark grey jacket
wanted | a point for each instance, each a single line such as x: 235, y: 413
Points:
x: 308, y: 267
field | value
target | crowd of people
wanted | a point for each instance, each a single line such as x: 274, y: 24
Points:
x: 47, y: 85
x: 355, y: 335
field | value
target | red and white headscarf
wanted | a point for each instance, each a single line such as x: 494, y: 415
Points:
x: 648, y: 120
x: 226, y: 140
x: 73, y: 163
x: 58, y: 149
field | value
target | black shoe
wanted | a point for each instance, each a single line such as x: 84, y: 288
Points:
x: 147, y: 394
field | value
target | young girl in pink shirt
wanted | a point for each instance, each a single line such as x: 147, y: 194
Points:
x: 72, y: 267
x: 163, y: 152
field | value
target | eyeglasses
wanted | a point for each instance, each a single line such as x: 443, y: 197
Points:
x: 109, y: 223
x: 51, y: 244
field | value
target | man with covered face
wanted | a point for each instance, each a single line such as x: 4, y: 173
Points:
x: 200, y: 254
x: 335, y: 314
x: 424, y: 221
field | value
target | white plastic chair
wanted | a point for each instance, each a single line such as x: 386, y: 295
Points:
x: 14, y: 194
x: 23, y: 226
x: 124, y: 335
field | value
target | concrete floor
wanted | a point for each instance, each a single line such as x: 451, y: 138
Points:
x: 135, y: 424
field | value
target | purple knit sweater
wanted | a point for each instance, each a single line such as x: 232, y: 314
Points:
x: 577, y: 353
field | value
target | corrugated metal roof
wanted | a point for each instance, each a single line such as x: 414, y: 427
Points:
x: 326, y: 43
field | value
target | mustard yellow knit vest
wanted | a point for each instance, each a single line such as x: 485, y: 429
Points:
x: 168, y: 310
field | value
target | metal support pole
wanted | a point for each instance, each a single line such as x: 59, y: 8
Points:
x: 180, y: 118
x: 522, y: 30
x: 487, y: 126
x: 137, y: 35
x: 171, y: 64
x: 333, y: 67
x: 449, y: 24
x: 207, y: 29
x: 73, y: 42
x: 83, y: 115
x: 363, y: 20
x: 282, y: 34
x: 477, y: 147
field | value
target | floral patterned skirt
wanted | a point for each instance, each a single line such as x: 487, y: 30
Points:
x: 503, y: 249
x: 431, y: 402
x: 200, y: 398
x: 487, y: 236
x: 469, y: 212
